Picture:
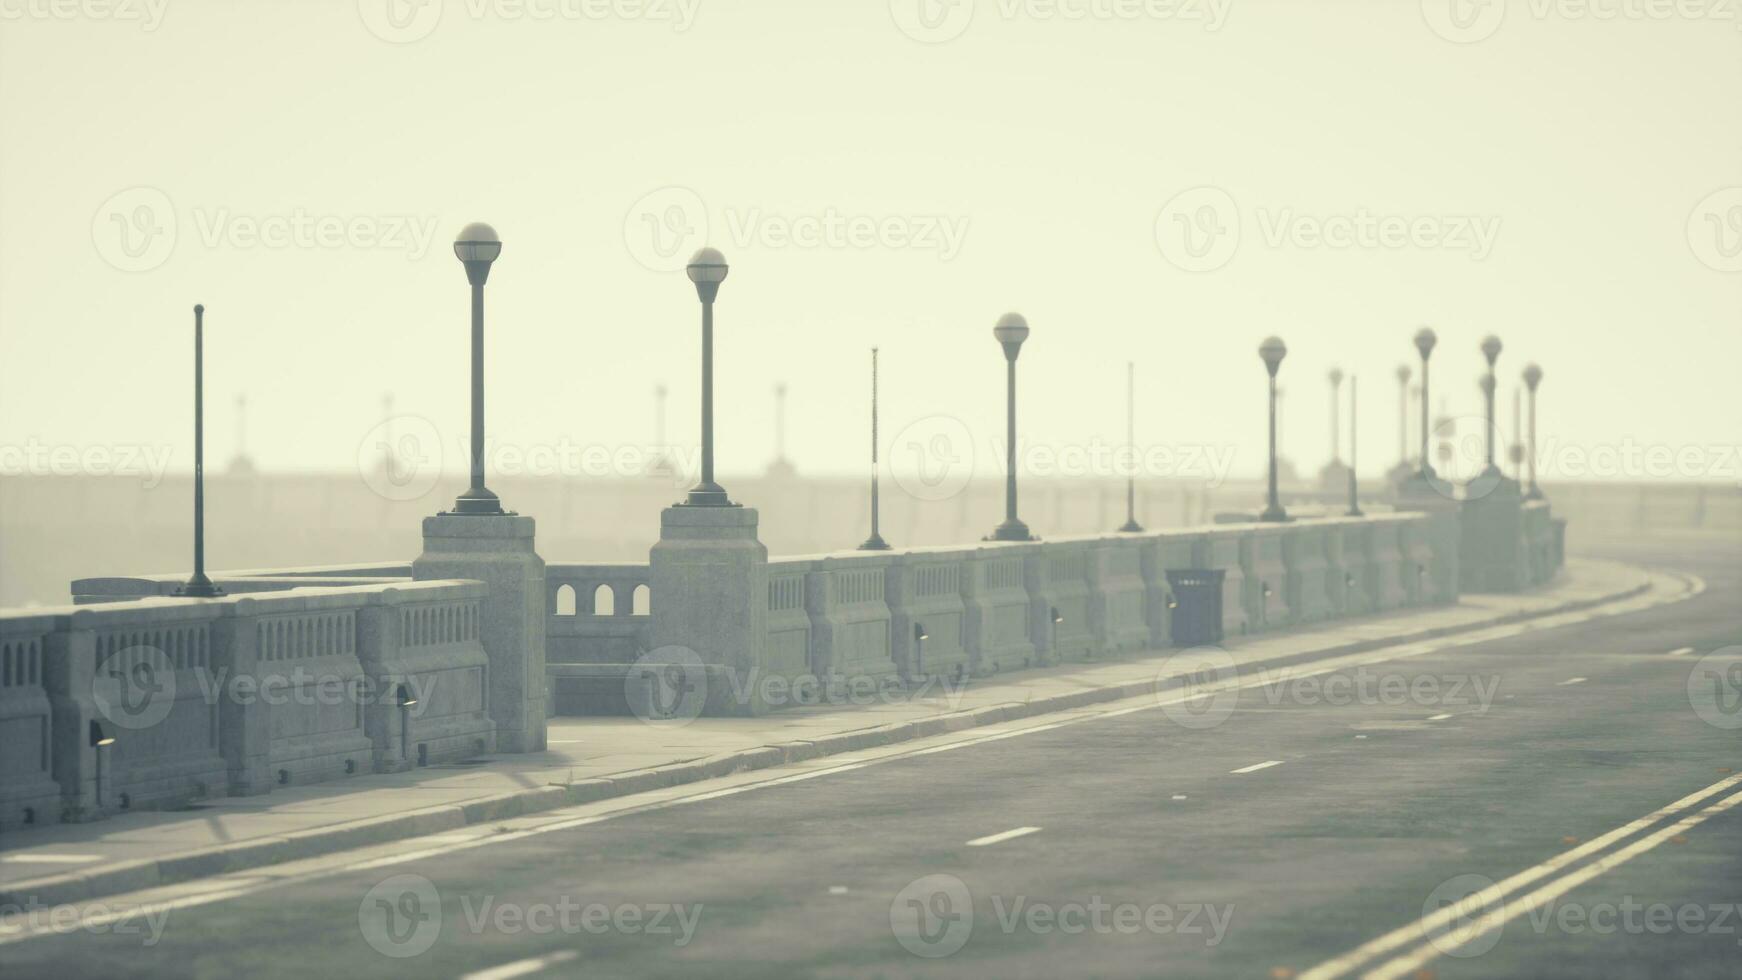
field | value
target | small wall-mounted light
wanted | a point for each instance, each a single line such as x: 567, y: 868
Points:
x: 1172, y: 603
x: 99, y: 737
x: 1057, y: 617
x: 405, y: 698
x: 1349, y: 580
x: 1266, y: 588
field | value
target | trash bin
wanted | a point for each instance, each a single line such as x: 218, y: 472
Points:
x: 1197, y: 612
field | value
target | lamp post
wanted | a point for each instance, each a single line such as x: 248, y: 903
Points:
x: 1403, y: 375
x: 1490, y: 351
x: 1010, y: 332
x: 1515, y: 453
x: 1354, y: 450
x: 1336, y: 379
x: 707, y: 269
x: 1272, y: 351
x: 1532, y: 378
x: 477, y: 247
x: 199, y: 586
x: 875, y: 542
x: 1424, y: 342
x: 1131, y: 526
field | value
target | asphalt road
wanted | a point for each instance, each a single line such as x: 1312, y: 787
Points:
x: 1386, y: 794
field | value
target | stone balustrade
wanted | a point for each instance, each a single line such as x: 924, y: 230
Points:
x: 161, y: 701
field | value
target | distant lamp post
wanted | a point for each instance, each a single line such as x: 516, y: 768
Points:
x: 199, y: 586
x: 1424, y: 342
x: 707, y: 269
x: 477, y: 247
x: 1515, y: 452
x: 1354, y: 450
x: 875, y: 542
x: 1403, y: 376
x: 1010, y: 332
x: 1532, y: 378
x: 1491, y: 351
x: 919, y: 638
x: 1131, y: 526
x: 1336, y: 380
x: 1272, y: 351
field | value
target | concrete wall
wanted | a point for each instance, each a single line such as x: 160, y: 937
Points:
x: 160, y: 701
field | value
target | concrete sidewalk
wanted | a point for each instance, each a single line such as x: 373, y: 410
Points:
x: 598, y: 758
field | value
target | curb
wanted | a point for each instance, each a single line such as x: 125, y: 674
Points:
x: 127, y: 876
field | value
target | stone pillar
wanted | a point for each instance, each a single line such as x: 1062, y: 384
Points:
x: 245, y: 724
x: 709, y: 576
x: 498, y: 551
x: 1434, y: 496
x: 1491, y: 556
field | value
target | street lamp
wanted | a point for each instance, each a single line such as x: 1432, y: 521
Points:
x: 1532, y: 378
x: 1336, y: 379
x: 707, y: 269
x: 199, y: 586
x: 1272, y: 351
x: 1010, y: 332
x: 1403, y: 376
x: 1424, y: 342
x: 875, y: 542
x: 477, y: 247
x: 1354, y: 450
x: 1131, y: 526
x: 1491, y: 351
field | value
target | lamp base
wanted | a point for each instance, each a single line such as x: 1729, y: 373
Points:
x: 1275, y: 515
x: 707, y: 495
x: 1011, y: 530
x: 476, y: 502
x: 875, y: 543
x: 1131, y: 527
x: 199, y: 587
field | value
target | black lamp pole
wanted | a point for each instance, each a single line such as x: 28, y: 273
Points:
x: 1010, y: 332
x: 1272, y: 351
x: 875, y: 542
x: 1532, y: 378
x: 199, y: 586
x: 1424, y: 342
x: 707, y: 269
x: 477, y: 247
x: 1354, y: 450
x: 1490, y: 386
x: 1131, y: 526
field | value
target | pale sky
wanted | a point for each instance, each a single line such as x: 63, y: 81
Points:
x: 1549, y: 177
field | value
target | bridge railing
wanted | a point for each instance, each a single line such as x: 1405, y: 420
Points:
x: 159, y: 701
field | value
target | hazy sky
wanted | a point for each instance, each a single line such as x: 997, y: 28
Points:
x: 1145, y: 181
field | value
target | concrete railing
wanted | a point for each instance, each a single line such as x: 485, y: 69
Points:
x: 160, y: 701
x: 953, y: 611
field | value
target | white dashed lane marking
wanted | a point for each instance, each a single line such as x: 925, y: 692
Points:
x: 1255, y: 767
x: 1001, y: 838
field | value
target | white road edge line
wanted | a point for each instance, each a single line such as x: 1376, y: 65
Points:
x: 1571, y: 681
x: 1404, y: 965
x: 50, y: 858
x: 111, y: 909
x: 520, y: 968
x: 1404, y: 935
x: 1001, y: 838
x: 1255, y: 767
x: 1681, y: 651
x: 1441, y: 717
